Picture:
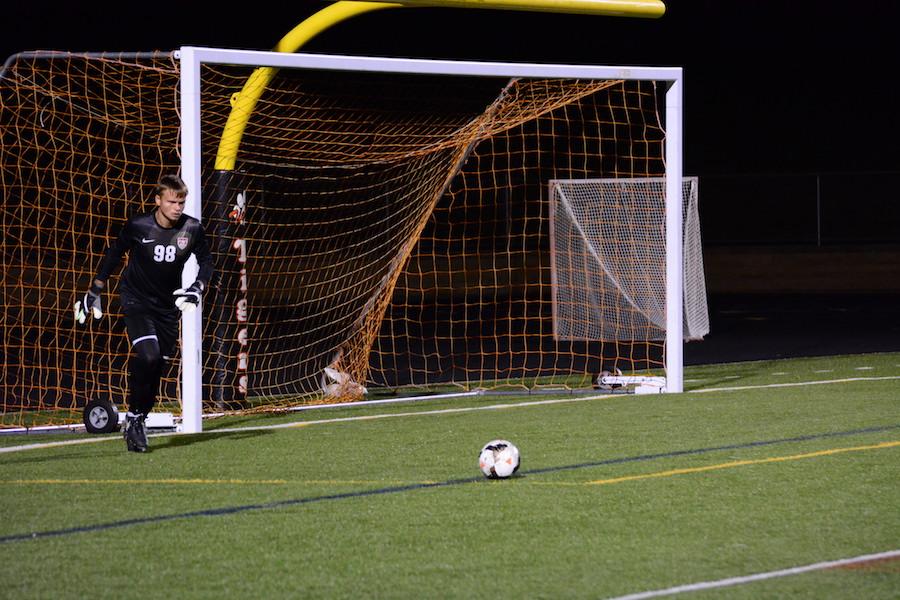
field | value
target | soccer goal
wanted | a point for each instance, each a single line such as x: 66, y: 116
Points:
x: 386, y: 222
x: 608, y: 260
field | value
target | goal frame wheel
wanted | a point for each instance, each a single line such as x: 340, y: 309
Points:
x: 101, y: 416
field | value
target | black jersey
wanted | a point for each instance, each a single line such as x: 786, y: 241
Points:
x: 156, y: 256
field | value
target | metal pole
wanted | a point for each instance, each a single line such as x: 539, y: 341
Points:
x: 674, y: 241
x: 191, y: 323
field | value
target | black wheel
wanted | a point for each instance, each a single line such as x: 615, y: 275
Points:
x: 101, y: 416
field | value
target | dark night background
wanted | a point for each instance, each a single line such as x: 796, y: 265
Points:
x: 791, y: 123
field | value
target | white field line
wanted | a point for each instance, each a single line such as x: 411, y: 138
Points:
x: 319, y: 422
x: 89, y: 440
x: 795, y: 384
x: 444, y: 411
x: 720, y: 583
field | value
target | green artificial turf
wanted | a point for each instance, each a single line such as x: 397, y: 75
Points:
x: 615, y: 495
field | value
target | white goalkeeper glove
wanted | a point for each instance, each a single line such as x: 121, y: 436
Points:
x: 187, y: 299
x: 90, y: 303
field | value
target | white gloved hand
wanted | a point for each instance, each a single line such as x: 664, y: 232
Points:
x: 89, y: 303
x: 188, y: 299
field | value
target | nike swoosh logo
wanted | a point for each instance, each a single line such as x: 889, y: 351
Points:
x: 143, y: 241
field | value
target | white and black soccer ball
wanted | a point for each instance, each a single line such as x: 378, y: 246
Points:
x: 498, y: 459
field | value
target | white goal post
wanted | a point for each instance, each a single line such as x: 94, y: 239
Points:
x: 191, y: 59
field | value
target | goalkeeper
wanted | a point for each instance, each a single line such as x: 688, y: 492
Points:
x: 158, y: 244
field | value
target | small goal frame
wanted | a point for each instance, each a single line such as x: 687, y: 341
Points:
x: 191, y: 58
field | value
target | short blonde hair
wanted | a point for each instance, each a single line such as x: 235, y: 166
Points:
x: 171, y: 182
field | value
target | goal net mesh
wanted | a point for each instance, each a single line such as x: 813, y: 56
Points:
x: 609, y: 260
x: 396, y: 228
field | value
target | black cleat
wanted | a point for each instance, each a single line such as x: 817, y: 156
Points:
x: 135, y: 433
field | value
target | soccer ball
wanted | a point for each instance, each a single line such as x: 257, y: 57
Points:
x: 498, y: 459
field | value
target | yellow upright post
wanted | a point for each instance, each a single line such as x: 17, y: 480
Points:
x: 243, y: 102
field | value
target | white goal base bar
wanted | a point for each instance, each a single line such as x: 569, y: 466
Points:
x: 156, y: 420
x: 641, y: 384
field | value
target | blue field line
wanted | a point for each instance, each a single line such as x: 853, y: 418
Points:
x: 231, y: 510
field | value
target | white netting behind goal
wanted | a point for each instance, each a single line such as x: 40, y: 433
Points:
x: 609, y: 260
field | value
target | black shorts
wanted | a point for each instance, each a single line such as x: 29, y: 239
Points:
x: 143, y: 320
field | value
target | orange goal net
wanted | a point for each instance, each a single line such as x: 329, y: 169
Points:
x: 392, y: 229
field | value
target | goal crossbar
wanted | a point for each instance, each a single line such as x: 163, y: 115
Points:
x: 260, y: 58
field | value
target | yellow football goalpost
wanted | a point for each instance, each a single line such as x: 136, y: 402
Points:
x: 244, y: 102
